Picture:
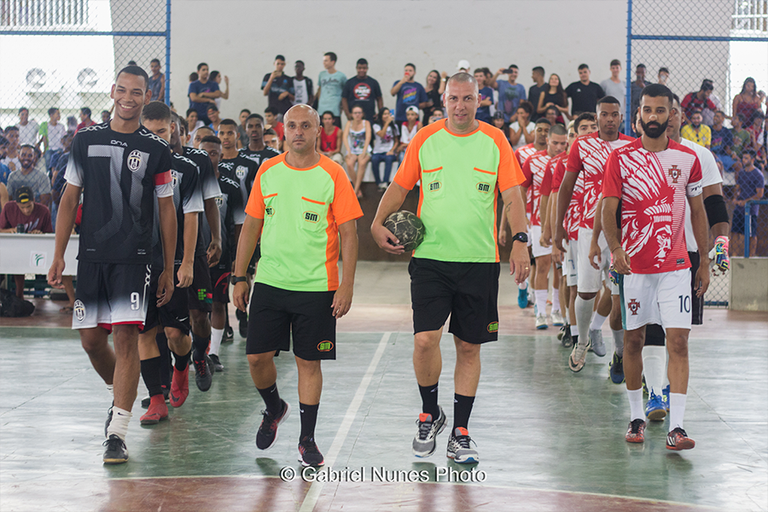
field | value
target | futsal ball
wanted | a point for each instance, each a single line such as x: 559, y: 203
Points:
x: 407, y: 227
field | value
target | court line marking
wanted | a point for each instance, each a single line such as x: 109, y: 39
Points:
x: 313, y: 494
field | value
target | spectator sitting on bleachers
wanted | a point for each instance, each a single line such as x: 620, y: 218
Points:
x: 408, y: 130
x: 696, y: 131
x: 498, y: 121
x: 11, y: 154
x: 750, y: 186
x: 698, y: 100
x: 721, y: 146
x: 755, y: 132
x: 741, y: 140
x: 357, y: 139
x: 24, y: 215
x: 329, y: 142
x: 30, y: 177
x: 436, y: 115
x: 521, y: 132
x: 385, y: 138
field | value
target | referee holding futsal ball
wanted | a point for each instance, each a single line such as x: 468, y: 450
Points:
x: 463, y: 164
x: 301, y: 201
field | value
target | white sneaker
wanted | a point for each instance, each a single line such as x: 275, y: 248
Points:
x: 541, y: 321
x: 557, y: 318
x: 596, y: 339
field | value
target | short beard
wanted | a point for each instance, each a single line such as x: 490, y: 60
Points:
x: 654, y: 132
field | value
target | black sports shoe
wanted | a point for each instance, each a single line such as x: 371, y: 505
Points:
x: 229, y: 334
x: 217, y: 366
x: 242, y: 318
x: 115, y: 451
x: 267, y: 434
x: 203, y: 373
x: 309, y: 455
x: 145, y: 401
x: 109, y: 419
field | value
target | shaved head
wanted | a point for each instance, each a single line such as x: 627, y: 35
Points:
x: 302, y: 108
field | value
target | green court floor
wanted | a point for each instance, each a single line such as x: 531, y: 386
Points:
x: 548, y: 439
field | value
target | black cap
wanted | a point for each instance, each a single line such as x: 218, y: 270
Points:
x: 23, y: 195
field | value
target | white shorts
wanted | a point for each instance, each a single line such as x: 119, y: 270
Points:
x: 590, y: 280
x: 571, y: 262
x: 663, y: 299
x: 536, y: 247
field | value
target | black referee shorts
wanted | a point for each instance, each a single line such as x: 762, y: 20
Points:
x: 275, y: 314
x: 468, y: 292
x: 654, y: 333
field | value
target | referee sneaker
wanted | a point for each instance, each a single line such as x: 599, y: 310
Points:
x: 463, y: 164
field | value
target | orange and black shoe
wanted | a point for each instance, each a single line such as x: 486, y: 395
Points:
x: 156, y: 412
x: 636, y: 431
x: 678, y: 440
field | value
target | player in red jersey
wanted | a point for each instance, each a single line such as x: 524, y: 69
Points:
x: 653, y: 177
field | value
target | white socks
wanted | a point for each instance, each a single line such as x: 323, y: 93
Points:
x: 111, y: 390
x: 583, y: 316
x: 618, y: 341
x: 597, y: 322
x: 555, y: 299
x: 216, y: 336
x: 119, y: 423
x: 523, y: 285
x: 654, y: 364
x: 636, y: 411
x: 541, y: 301
x: 676, y: 410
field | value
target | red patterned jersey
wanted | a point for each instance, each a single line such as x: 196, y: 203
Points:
x: 653, y: 188
x: 538, y: 181
x: 522, y: 154
x: 587, y: 157
x: 573, y: 214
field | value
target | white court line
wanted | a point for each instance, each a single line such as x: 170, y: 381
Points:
x: 310, y: 500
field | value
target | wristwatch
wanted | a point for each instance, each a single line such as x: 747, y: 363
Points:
x: 235, y: 279
x: 520, y: 237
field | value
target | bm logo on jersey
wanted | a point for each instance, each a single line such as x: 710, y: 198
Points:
x: 241, y: 171
x: 633, y: 306
x: 134, y: 160
x: 269, y: 211
x: 483, y: 187
x: 311, y: 217
x: 435, y: 186
x: 79, y: 310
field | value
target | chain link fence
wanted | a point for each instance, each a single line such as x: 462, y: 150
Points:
x: 706, y: 51
x: 64, y: 54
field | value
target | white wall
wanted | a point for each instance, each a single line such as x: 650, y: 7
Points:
x: 241, y: 38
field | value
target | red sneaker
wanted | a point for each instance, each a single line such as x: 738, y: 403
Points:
x: 156, y: 411
x: 679, y: 440
x: 636, y: 431
x: 179, y: 387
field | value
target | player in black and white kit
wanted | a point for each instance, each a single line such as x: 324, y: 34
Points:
x: 174, y: 316
x: 232, y: 215
x: 201, y: 291
x: 120, y: 168
x: 259, y: 152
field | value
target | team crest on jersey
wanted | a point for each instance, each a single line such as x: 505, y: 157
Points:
x: 174, y: 178
x: 633, y: 306
x: 674, y: 173
x: 134, y: 160
x: 241, y: 171
x: 79, y: 310
x: 219, y: 201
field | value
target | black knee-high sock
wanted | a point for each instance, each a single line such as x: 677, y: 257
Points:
x: 429, y: 400
x: 200, y: 344
x: 182, y: 361
x: 462, y: 408
x: 165, y: 359
x: 308, y: 420
x: 150, y: 372
x: 272, y: 399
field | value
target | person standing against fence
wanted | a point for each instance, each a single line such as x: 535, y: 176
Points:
x: 653, y: 177
x: 116, y: 242
x: 750, y: 186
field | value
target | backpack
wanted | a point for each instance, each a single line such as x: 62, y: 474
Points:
x: 12, y: 306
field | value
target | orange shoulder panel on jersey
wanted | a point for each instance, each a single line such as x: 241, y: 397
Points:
x: 510, y: 174
x: 255, y: 206
x: 345, y: 206
x: 409, y: 172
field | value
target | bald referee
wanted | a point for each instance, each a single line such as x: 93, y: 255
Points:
x: 463, y: 165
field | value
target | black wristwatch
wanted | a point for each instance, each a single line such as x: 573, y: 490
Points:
x: 520, y: 237
x: 235, y: 279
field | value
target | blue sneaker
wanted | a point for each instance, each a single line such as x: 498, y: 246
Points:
x: 617, y: 369
x: 654, y: 408
x: 665, y: 397
x: 522, y: 298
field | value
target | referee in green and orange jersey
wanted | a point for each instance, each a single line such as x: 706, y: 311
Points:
x: 463, y: 164
x: 301, y: 201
